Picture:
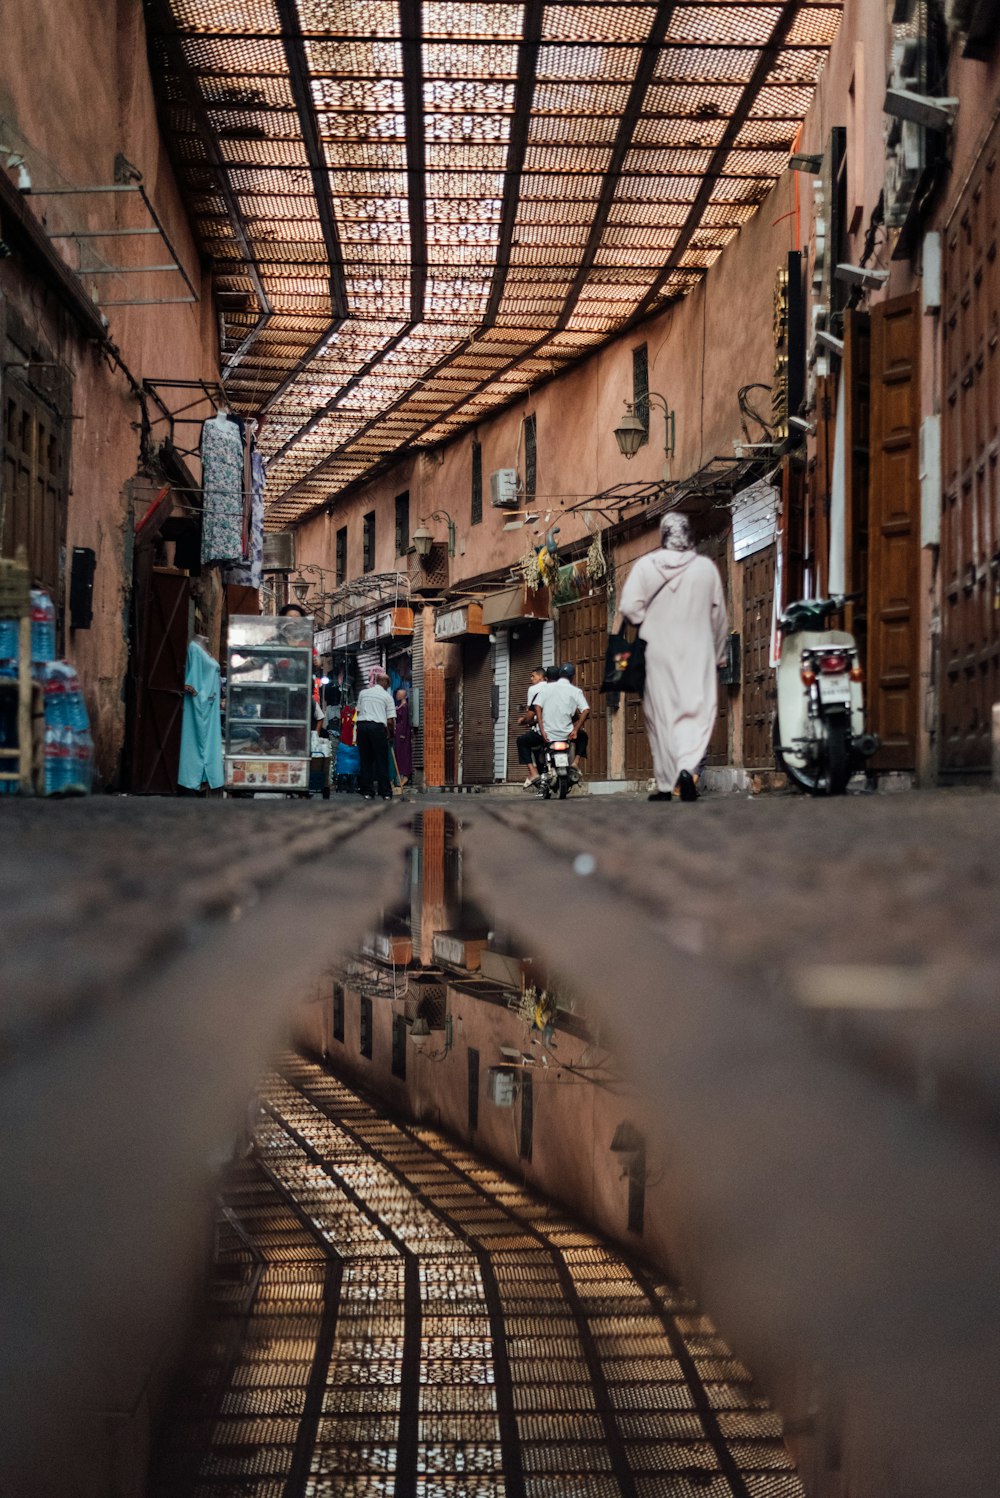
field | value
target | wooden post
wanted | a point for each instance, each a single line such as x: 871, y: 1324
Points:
x: 996, y: 746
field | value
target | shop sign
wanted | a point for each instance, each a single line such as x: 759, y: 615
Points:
x: 465, y: 620
x: 323, y: 641
x: 370, y: 629
x: 353, y: 631
x: 340, y: 635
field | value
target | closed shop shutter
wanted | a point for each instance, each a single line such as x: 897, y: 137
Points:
x: 970, y: 535
x: 417, y: 696
x: 501, y: 685
x: 369, y: 659
x: 583, y: 636
x: 525, y: 645
x: 548, y: 643
x: 477, y: 711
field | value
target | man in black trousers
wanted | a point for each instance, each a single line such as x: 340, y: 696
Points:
x: 376, y: 725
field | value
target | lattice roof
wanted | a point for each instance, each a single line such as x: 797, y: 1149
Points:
x: 418, y: 207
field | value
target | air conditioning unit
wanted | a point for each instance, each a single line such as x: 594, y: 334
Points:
x: 501, y: 1087
x: 503, y: 489
x: 279, y: 552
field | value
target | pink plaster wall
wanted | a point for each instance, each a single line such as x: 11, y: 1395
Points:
x: 75, y: 90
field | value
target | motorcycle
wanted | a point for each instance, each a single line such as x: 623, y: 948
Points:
x: 557, y: 772
x: 819, y: 731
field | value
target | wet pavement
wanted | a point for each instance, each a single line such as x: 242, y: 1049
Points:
x: 393, y: 1315
x: 802, y: 996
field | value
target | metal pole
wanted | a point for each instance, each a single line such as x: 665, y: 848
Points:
x: 152, y: 301
x: 53, y: 192
x: 125, y: 270
x: 101, y: 233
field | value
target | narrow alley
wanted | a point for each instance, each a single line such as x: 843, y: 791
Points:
x: 499, y: 748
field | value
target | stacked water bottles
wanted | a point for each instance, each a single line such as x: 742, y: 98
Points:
x: 8, y: 701
x: 68, y: 766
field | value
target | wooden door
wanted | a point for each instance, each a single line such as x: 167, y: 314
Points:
x: 161, y: 653
x: 857, y: 417
x: 759, y: 690
x: 33, y: 490
x: 583, y: 638
x: 970, y: 530
x: 894, y: 532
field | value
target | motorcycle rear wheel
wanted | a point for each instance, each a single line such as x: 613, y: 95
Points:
x: 838, y: 754
x: 563, y: 787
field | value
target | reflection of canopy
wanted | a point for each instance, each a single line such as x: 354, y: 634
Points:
x: 415, y: 215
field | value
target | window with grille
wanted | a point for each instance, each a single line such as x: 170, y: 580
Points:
x: 338, y: 1012
x: 366, y: 1028
x: 402, y: 523
x: 368, y: 542
x: 399, y: 1047
x: 34, y: 488
x: 341, y: 562
x: 530, y: 458
x: 640, y: 385
x: 477, y: 483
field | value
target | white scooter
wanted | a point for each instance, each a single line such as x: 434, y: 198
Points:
x: 819, y: 731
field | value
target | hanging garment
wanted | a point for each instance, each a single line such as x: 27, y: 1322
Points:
x: 402, y: 743
x: 201, y: 729
x: 249, y: 573
x: 348, y: 725
x: 222, y: 486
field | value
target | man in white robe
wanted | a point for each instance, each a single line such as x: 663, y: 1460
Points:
x: 676, y: 599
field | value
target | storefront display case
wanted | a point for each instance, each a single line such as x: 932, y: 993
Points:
x: 269, y: 704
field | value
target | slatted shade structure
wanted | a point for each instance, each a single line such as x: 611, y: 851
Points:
x: 417, y: 210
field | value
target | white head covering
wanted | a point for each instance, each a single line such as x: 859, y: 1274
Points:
x: 675, y: 532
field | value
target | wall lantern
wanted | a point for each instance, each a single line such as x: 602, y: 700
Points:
x: 632, y: 431
x: 420, y: 1032
x: 300, y: 587
x: 423, y: 540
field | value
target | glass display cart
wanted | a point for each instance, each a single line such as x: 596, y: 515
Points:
x: 268, y: 704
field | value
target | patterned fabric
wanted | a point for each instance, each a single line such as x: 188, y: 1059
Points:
x: 249, y: 573
x: 222, y: 486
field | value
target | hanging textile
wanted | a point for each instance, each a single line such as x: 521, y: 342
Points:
x: 222, y: 486
x: 348, y: 725
x: 249, y: 573
x: 201, y: 726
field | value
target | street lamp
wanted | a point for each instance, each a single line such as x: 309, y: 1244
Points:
x: 300, y: 587
x: 423, y: 540
x: 632, y: 431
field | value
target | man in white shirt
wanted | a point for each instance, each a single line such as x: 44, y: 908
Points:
x: 530, y: 742
x: 564, y: 708
x: 376, y: 724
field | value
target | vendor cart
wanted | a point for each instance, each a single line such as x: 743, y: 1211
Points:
x: 268, y: 704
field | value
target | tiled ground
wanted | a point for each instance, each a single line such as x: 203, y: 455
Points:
x: 393, y: 1316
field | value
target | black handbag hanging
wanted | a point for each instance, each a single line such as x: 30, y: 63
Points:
x: 625, y: 662
x: 625, y: 658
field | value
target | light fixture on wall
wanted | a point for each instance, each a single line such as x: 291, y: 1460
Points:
x: 829, y: 341
x: 632, y: 431
x: 803, y: 161
x: 423, y: 539
x: 528, y: 517
x: 300, y: 587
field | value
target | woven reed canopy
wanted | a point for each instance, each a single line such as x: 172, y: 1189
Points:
x: 417, y: 210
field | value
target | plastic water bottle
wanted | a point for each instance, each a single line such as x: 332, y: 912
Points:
x: 81, y: 777
x: 43, y: 626
x: 56, y: 761
x: 54, y: 692
x: 9, y: 639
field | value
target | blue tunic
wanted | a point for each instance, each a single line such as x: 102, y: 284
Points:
x: 201, y: 732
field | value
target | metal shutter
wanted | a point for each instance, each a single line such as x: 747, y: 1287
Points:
x: 501, y: 684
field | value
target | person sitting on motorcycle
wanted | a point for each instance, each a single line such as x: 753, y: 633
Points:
x: 530, y: 743
x: 564, y: 709
x: 568, y: 670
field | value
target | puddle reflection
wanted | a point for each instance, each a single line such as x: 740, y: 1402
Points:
x: 447, y: 1020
